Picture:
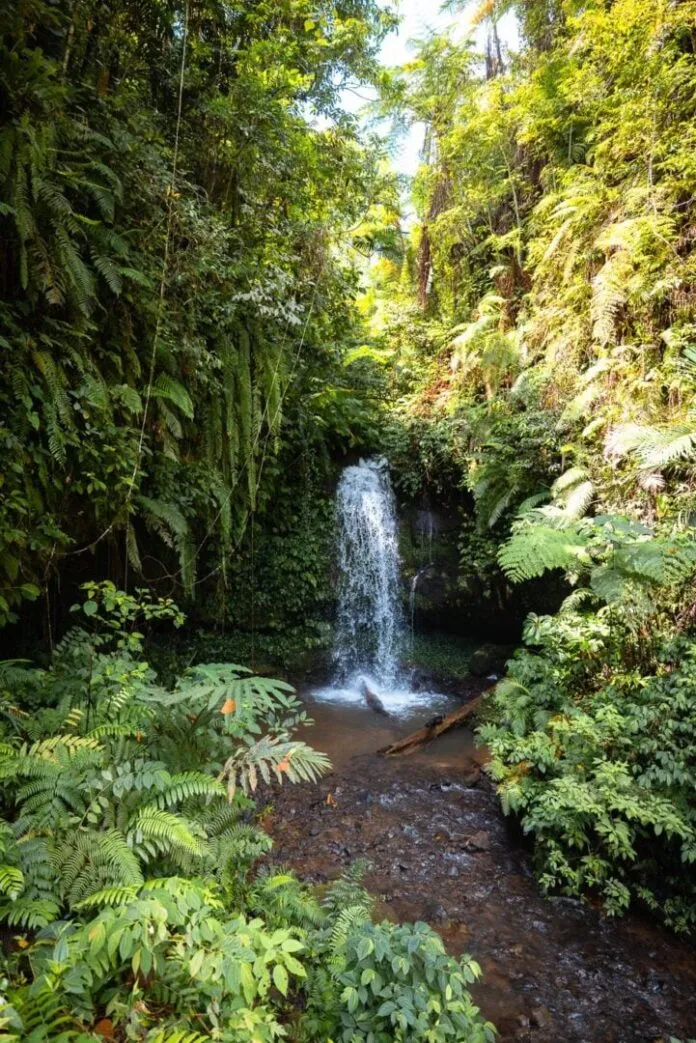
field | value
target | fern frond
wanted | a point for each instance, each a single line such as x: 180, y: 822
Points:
x: 535, y: 549
x: 169, y: 832
x: 170, y: 389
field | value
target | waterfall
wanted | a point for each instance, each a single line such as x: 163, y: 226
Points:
x: 370, y: 626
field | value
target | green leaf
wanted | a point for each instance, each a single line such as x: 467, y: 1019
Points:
x: 280, y: 978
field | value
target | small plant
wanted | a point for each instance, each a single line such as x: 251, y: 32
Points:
x: 397, y: 983
x: 380, y: 983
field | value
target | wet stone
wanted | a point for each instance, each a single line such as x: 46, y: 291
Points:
x: 542, y: 1018
x: 479, y: 841
x: 434, y: 912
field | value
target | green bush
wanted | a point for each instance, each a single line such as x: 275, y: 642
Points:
x: 385, y: 983
x: 399, y: 984
x: 596, y: 757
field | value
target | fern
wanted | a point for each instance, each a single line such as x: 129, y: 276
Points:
x: 31, y: 914
x: 170, y: 389
x: 91, y: 861
x: 534, y: 549
x: 271, y: 756
x: 40, y: 1014
x: 174, y: 1035
x: 655, y: 449
x: 153, y: 831
x: 169, y: 522
x: 108, y: 896
x: 187, y: 785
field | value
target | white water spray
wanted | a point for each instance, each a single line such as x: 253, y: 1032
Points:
x: 370, y: 625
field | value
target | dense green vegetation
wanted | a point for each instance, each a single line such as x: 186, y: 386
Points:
x: 179, y: 193
x: 210, y: 299
x: 542, y: 329
x: 128, y: 864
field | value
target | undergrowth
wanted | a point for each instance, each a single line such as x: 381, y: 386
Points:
x: 132, y: 890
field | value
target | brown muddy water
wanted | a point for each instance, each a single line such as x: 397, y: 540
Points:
x: 555, y: 970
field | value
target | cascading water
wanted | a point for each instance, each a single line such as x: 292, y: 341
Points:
x: 370, y: 625
x: 371, y: 630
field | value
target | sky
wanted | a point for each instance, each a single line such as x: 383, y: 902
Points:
x: 417, y: 18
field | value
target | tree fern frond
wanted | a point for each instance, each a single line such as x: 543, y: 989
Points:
x: 535, y: 549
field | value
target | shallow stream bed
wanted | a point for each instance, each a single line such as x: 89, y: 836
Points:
x: 555, y: 970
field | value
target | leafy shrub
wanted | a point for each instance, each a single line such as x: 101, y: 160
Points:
x: 379, y: 983
x: 399, y: 984
x: 597, y: 759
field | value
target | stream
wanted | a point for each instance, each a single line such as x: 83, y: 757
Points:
x: 429, y: 826
x: 555, y: 969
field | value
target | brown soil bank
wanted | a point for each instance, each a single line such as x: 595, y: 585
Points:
x: 555, y: 970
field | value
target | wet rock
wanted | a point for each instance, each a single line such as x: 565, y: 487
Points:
x: 542, y: 1018
x: 523, y: 1028
x: 435, y: 912
x: 489, y: 659
x: 479, y: 841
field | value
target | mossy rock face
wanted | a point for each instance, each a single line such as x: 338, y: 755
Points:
x: 489, y: 659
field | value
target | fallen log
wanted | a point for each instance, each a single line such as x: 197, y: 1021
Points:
x: 430, y: 731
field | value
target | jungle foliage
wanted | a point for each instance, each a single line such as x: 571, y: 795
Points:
x: 130, y: 873
x: 188, y: 218
x: 542, y: 327
x: 180, y: 191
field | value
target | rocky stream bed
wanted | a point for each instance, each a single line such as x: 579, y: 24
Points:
x: 555, y: 970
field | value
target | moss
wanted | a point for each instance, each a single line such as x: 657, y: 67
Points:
x: 442, y: 655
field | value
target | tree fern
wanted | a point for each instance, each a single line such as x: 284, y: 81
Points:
x: 537, y: 548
